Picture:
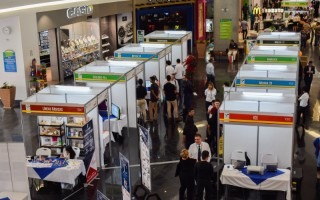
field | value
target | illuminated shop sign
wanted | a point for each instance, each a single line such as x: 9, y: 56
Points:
x: 79, y: 11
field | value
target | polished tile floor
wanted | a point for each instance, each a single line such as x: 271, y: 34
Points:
x: 166, y: 144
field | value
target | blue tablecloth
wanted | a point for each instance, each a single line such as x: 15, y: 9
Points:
x: 257, y: 178
x: 6, y: 198
x: 43, y: 172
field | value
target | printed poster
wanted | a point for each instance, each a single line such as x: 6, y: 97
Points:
x: 9, y: 59
x: 145, y: 157
x: 124, y: 29
x: 140, y: 36
x: 225, y: 29
x: 125, y: 177
x: 89, y: 152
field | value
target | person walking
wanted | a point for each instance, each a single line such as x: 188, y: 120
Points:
x: 244, y: 29
x: 303, y: 107
x: 203, y: 174
x: 233, y: 50
x: 179, y: 72
x: 198, y: 147
x: 171, y: 98
x: 185, y: 171
x: 141, y: 99
x: 210, y: 95
x: 154, y: 97
x: 308, y: 72
x: 210, y: 71
x: 190, y: 129
x: 213, y: 126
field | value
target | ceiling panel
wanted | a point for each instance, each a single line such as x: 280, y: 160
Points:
x: 14, y: 3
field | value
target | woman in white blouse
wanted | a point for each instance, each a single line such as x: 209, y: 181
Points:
x: 210, y: 94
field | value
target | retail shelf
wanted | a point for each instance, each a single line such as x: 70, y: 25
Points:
x: 50, y: 135
x: 80, y: 56
x: 75, y: 125
x: 105, y: 45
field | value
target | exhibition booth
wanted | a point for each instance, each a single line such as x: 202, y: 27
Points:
x: 178, y: 39
x: 259, y: 118
x: 155, y: 56
x: 279, y: 39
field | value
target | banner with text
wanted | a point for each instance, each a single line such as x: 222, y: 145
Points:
x: 89, y: 152
x: 145, y: 157
x: 225, y: 29
x: 125, y: 177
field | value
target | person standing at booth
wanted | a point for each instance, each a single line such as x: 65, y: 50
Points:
x: 170, y: 93
x: 303, y: 107
x: 141, y: 99
x: 308, y: 72
x: 210, y: 71
x: 154, y: 97
x: 198, y: 147
x: 190, y: 129
x: 179, y: 72
x: 233, y: 50
x: 169, y: 68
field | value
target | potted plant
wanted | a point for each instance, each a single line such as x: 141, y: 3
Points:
x: 7, y: 95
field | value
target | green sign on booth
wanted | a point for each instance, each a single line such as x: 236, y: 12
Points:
x: 273, y: 59
x: 99, y: 77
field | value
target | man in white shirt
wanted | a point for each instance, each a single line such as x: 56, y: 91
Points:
x: 303, y: 106
x: 210, y: 71
x: 179, y: 72
x: 196, y: 149
x: 169, y: 68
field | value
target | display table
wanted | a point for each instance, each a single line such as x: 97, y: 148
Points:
x: 116, y: 125
x: 236, y: 178
x: 106, y: 138
x: 67, y: 174
x: 14, y: 195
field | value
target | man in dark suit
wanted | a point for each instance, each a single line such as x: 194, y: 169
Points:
x: 308, y: 72
x: 203, y: 174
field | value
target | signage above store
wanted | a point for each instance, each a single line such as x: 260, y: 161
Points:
x: 79, y: 11
x: 294, y: 3
x: 52, y: 109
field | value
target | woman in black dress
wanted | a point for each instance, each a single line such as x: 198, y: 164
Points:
x: 185, y: 170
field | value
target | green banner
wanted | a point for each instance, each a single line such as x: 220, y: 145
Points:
x: 225, y: 29
x: 294, y: 4
x: 99, y: 77
x: 272, y: 59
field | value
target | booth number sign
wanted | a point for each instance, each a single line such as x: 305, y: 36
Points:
x: 79, y: 11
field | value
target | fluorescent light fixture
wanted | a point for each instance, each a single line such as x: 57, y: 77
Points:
x: 72, y: 88
x: 38, y: 5
x: 270, y: 48
x: 254, y: 94
x: 270, y: 67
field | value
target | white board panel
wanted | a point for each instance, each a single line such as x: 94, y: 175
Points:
x: 271, y: 107
x: 19, y: 175
x: 152, y: 68
x: 184, y: 50
x: 162, y: 67
x: 176, y: 53
x: 132, y: 103
x: 5, y: 172
x: 276, y: 140
x: 252, y: 74
x: 245, y: 106
x: 240, y: 137
x: 119, y: 96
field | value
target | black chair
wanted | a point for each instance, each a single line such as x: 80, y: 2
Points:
x: 153, y: 196
x: 140, y: 192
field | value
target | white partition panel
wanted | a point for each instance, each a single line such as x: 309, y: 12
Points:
x: 162, y: 67
x: 240, y: 106
x: 17, y: 156
x: 252, y: 74
x: 272, y: 107
x: 184, y: 50
x: 152, y: 68
x: 276, y: 140
x: 93, y: 114
x: 119, y: 96
x: 132, y: 108
x: 240, y: 137
x: 50, y: 98
x: 176, y: 53
x: 5, y: 172
x: 283, y: 90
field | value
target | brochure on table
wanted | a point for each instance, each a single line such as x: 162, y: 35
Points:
x: 178, y: 39
x: 145, y: 157
x: 251, y: 122
x: 61, y: 119
x: 154, y: 55
x: 279, y: 39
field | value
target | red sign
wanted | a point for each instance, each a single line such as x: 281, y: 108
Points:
x: 49, y: 109
x: 255, y: 118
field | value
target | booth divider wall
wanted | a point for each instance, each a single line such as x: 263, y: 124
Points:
x: 178, y: 39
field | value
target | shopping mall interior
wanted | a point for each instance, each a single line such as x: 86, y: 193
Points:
x: 70, y: 76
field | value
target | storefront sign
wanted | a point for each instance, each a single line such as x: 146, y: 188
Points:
x: 49, y: 109
x: 225, y: 29
x: 89, y: 152
x: 294, y: 4
x: 265, y: 82
x: 140, y: 36
x: 79, y: 11
x: 125, y: 177
x: 99, y: 77
x: 101, y: 196
x: 272, y: 59
x: 138, y: 56
x: 255, y: 118
x: 9, y: 59
x: 200, y: 14
x: 278, y: 42
x: 145, y: 157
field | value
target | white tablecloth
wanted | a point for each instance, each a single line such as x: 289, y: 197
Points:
x: 14, y: 195
x: 106, y: 138
x: 115, y: 124
x: 236, y: 178
x: 66, y: 174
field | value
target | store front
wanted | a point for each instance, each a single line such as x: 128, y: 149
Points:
x: 71, y: 38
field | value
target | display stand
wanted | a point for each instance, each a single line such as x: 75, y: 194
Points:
x: 178, y: 39
x: 259, y: 123
x: 272, y: 78
x: 155, y: 56
x: 279, y: 39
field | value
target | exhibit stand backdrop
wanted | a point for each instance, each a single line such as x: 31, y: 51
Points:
x: 154, y: 55
x: 178, y: 39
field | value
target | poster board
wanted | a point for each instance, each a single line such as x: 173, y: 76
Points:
x: 125, y: 177
x: 145, y: 157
